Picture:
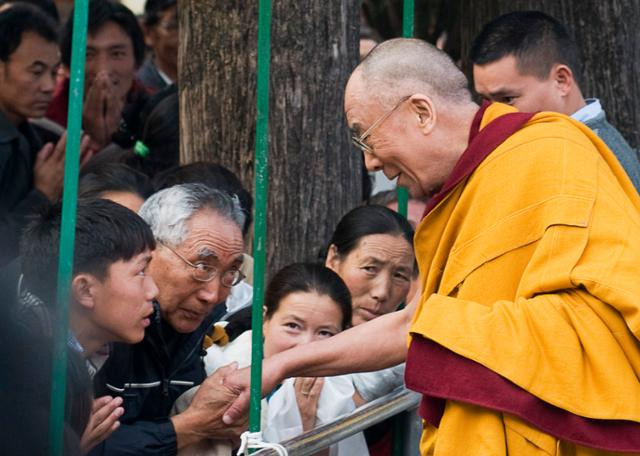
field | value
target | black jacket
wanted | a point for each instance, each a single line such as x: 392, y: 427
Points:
x: 18, y: 150
x: 149, y: 376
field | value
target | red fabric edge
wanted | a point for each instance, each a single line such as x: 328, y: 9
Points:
x: 440, y: 374
x: 481, y: 144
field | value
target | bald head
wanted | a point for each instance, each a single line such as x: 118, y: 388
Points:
x: 409, y: 110
x: 402, y: 66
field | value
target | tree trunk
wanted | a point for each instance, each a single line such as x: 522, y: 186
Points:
x: 608, y: 34
x: 314, y: 173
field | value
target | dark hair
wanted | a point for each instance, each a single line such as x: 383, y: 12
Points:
x: 160, y: 120
x: 212, y: 175
x: 19, y: 19
x: 366, y: 220
x: 106, y: 232
x: 153, y: 8
x: 100, y: 13
x: 46, y: 6
x: 308, y: 277
x: 113, y: 177
x: 535, y: 39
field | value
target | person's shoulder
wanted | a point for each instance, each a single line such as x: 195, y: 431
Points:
x: 8, y: 132
x: 609, y: 134
x: 549, y: 132
x: 148, y: 75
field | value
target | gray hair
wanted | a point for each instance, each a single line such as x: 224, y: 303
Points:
x: 168, y: 210
x: 407, y: 64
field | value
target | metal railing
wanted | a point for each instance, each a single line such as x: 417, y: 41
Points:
x: 394, y: 403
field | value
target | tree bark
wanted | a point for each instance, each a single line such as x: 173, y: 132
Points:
x: 608, y: 34
x: 314, y: 173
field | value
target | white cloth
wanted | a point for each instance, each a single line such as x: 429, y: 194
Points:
x: 282, y: 420
x: 240, y: 297
x: 588, y: 111
x: 238, y: 350
x: 372, y: 385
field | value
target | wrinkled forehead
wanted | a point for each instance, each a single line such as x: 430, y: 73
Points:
x: 212, y: 235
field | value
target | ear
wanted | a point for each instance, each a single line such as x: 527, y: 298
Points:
x: 424, y: 110
x: 563, y: 77
x: 333, y: 258
x: 83, y: 290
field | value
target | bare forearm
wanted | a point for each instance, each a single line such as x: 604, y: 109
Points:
x: 374, y: 345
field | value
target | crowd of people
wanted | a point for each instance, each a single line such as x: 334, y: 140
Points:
x: 509, y: 297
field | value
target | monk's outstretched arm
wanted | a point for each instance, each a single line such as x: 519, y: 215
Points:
x: 377, y: 344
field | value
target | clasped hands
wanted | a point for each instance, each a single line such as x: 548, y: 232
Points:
x: 102, y: 110
x: 205, y: 417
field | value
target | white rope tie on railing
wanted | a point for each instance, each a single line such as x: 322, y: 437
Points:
x: 253, y: 440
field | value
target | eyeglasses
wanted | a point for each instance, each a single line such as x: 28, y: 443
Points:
x: 203, y: 272
x: 359, y: 141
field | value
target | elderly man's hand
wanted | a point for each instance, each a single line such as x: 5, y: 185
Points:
x: 203, y: 418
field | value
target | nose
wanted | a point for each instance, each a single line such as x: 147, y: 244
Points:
x: 48, y: 83
x: 102, y: 63
x: 151, y: 290
x: 306, y: 337
x: 381, y: 288
x: 210, y: 293
x: 371, y: 162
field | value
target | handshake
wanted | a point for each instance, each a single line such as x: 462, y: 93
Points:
x: 218, y: 408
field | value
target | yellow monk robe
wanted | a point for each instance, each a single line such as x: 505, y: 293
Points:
x: 531, y: 269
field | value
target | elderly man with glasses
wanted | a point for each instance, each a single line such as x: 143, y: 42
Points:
x: 197, y: 260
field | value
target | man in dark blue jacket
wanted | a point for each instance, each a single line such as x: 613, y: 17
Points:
x: 197, y: 260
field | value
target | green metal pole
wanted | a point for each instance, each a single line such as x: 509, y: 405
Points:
x: 260, y: 227
x: 68, y: 226
x: 407, y: 32
x: 403, y: 208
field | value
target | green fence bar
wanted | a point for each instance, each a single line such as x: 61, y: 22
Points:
x: 408, y: 8
x: 260, y: 224
x: 407, y: 32
x: 68, y: 226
